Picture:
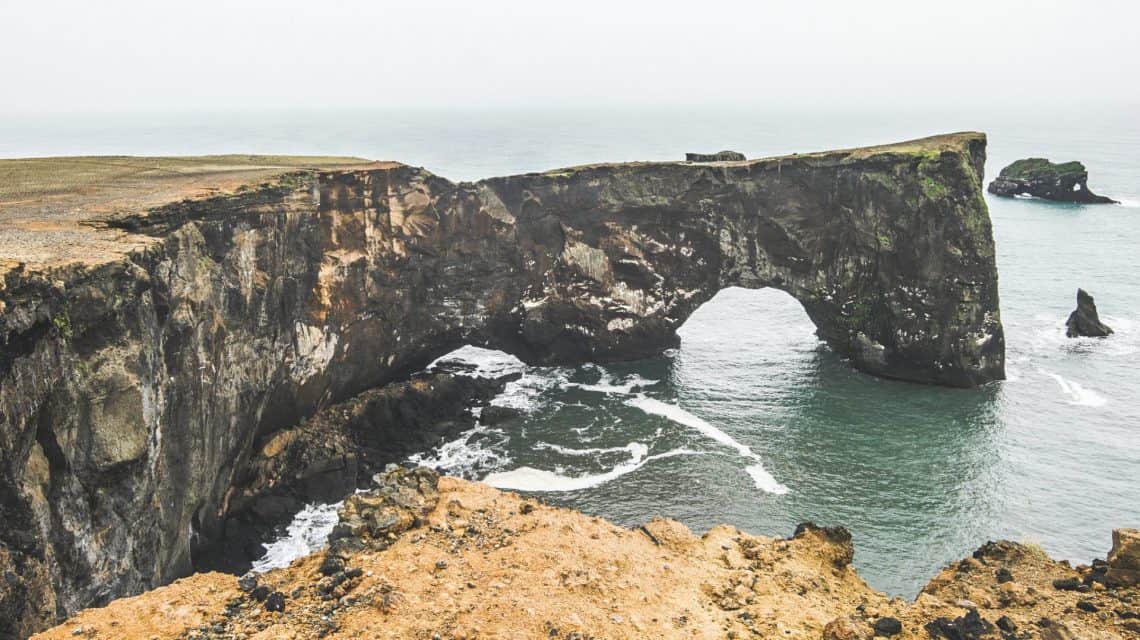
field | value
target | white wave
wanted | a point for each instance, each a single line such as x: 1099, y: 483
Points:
x: 539, y: 480
x: 606, y: 384
x: 764, y: 481
x: 525, y: 394
x: 1077, y: 394
x: 484, y: 363
x: 579, y: 452
x: 464, y: 455
x: 308, y: 532
x: 1129, y: 203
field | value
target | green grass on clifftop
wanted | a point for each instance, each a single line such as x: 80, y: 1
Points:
x: 1029, y: 168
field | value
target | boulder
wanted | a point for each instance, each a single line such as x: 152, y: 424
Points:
x: 1124, y: 558
x: 720, y: 156
x: 1084, y: 321
x: 1066, y: 182
x: 847, y: 628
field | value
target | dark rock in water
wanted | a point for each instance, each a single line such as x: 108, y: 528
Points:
x: 275, y: 602
x: 1084, y: 320
x: 720, y: 156
x: 968, y: 627
x: 888, y: 627
x: 1038, y: 177
x: 493, y: 414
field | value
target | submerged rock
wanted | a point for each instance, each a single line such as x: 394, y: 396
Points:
x: 1067, y: 182
x: 720, y: 156
x: 1084, y: 320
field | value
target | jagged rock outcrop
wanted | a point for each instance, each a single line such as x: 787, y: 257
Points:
x: 720, y: 156
x: 146, y: 351
x: 1066, y: 182
x: 424, y: 556
x: 1084, y: 320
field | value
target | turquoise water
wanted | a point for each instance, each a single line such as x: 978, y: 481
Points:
x: 921, y: 475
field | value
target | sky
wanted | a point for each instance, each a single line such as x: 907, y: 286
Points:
x: 123, y: 55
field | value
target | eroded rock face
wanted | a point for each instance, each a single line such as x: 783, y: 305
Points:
x: 1066, y: 182
x: 135, y: 392
x: 1084, y: 320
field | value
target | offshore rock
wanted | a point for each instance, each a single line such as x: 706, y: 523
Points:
x: 720, y: 156
x: 159, y: 329
x: 1084, y: 320
x: 1067, y: 182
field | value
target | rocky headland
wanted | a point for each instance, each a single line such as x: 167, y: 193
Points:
x: 429, y: 557
x: 177, y: 334
x: 1037, y: 177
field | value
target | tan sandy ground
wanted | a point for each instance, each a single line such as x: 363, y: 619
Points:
x: 51, y: 208
x: 488, y: 564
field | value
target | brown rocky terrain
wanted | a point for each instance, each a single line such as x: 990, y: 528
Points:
x: 428, y: 557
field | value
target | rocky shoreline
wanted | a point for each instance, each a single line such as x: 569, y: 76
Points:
x: 430, y: 557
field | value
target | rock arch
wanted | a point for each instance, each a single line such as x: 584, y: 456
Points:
x: 889, y: 249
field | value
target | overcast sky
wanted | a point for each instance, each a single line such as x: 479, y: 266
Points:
x: 210, y: 54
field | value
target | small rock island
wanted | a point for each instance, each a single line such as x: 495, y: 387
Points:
x: 1066, y: 182
x: 1084, y: 320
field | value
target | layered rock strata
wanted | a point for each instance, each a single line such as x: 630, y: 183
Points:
x: 148, y: 346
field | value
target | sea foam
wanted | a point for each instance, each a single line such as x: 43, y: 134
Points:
x: 308, y: 532
x: 763, y: 480
x: 1076, y: 393
x: 539, y: 480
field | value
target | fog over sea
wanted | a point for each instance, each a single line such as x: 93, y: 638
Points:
x: 753, y: 421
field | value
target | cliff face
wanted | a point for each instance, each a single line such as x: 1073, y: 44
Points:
x: 139, y: 375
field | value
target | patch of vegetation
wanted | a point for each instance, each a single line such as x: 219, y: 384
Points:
x: 62, y: 322
x: 934, y: 189
x: 1029, y: 168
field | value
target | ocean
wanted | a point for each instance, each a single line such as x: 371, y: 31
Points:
x: 752, y: 421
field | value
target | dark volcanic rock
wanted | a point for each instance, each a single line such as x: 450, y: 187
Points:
x: 720, y: 156
x: 1038, y: 177
x: 1084, y: 320
x: 139, y: 395
x: 968, y: 627
x: 888, y: 627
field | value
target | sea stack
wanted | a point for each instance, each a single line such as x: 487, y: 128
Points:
x: 1067, y: 182
x: 720, y: 156
x: 1084, y: 321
